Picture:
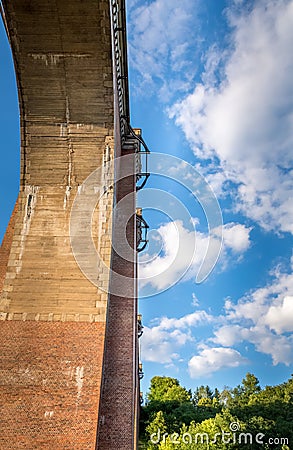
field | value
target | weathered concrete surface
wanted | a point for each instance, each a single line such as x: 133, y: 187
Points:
x: 62, y: 53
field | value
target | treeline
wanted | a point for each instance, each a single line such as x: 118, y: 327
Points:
x: 245, y: 417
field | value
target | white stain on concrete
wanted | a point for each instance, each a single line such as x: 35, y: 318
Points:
x: 52, y: 59
x: 70, y: 152
x: 63, y: 130
x: 85, y: 126
x: 31, y: 200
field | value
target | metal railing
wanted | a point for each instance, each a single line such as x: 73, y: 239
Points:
x: 130, y: 138
x: 118, y: 15
x: 141, y: 231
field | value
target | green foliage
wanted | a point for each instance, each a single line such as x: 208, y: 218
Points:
x: 155, y: 430
x: 171, y: 400
x: 181, y: 417
x: 212, y: 433
x: 248, y: 389
x: 250, y: 384
x: 202, y: 392
x: 164, y: 389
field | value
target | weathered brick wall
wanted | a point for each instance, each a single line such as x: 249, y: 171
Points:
x: 50, y: 384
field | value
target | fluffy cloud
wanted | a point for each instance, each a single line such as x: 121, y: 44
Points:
x: 184, y: 322
x: 261, y: 318
x: 236, y: 237
x: 183, y: 252
x: 159, y: 345
x: 159, y: 43
x: 169, y: 266
x: 246, y: 119
x: 211, y: 360
x: 161, y: 342
x: 278, y: 347
x: 280, y: 317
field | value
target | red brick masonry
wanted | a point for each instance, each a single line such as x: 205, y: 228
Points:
x: 50, y: 375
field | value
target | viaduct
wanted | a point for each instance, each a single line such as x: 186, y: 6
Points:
x: 69, y: 374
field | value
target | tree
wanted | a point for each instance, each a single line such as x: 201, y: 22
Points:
x: 172, y: 400
x: 202, y: 392
x: 250, y: 385
x: 225, y: 397
x: 213, y: 434
x: 216, y: 394
x: 156, y: 431
x: 167, y: 389
x: 267, y: 411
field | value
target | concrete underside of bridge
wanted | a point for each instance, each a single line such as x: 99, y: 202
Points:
x: 68, y: 377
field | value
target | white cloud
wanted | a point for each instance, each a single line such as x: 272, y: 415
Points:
x: 195, y: 301
x: 161, y: 35
x: 178, y: 253
x: 246, y: 120
x: 184, y: 252
x: 228, y: 335
x: 161, y: 342
x: 217, y: 181
x: 278, y: 347
x: 280, y: 317
x: 236, y: 237
x: 160, y: 346
x: 184, y: 322
x: 261, y: 318
x: 210, y: 360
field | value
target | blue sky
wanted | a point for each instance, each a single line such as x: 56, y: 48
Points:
x: 210, y: 84
x: 9, y: 132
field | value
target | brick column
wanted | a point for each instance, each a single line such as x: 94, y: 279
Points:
x: 117, y: 416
